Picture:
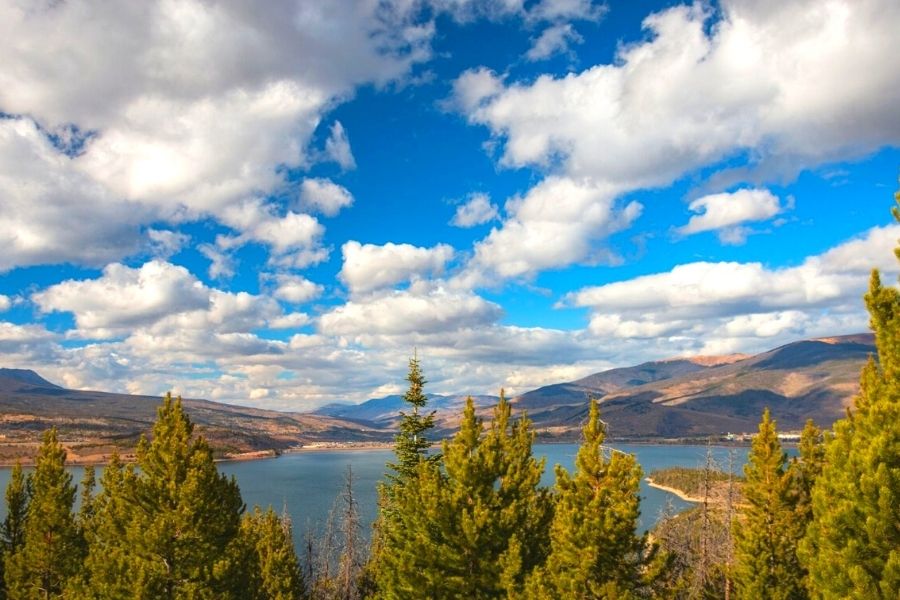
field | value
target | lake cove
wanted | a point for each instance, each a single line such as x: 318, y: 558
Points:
x: 305, y: 484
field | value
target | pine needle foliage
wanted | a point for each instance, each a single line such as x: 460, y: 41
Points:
x: 595, y: 551
x: 852, y: 547
x: 767, y: 533
x: 51, y: 549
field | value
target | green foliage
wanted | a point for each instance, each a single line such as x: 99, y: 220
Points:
x: 852, y: 547
x: 595, y: 551
x: 476, y: 528
x: 272, y: 571
x: 412, y: 443
x: 51, y: 548
x: 169, y: 525
x: 767, y: 534
x: 12, y: 530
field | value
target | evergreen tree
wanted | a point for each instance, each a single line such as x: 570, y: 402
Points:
x: 272, y: 572
x: 50, y: 552
x: 169, y: 525
x: 12, y: 530
x: 595, y: 551
x: 412, y: 443
x: 410, y: 448
x: 476, y: 528
x: 852, y: 547
x: 107, y: 573
x: 805, y: 469
x: 767, y: 533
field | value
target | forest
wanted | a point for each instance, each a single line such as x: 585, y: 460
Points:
x: 468, y: 518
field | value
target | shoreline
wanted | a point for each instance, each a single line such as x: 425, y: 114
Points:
x: 680, y: 494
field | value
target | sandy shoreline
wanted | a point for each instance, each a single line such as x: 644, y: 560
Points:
x: 672, y: 490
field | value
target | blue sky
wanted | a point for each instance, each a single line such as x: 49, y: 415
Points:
x: 275, y: 204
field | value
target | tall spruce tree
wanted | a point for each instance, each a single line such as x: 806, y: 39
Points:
x: 852, y: 547
x: 595, y: 551
x: 167, y: 528
x: 12, y: 530
x: 412, y: 443
x: 476, y: 528
x: 411, y: 448
x: 272, y: 571
x: 51, y: 552
x: 767, y: 532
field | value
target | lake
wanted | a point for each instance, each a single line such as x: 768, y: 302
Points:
x: 306, y: 483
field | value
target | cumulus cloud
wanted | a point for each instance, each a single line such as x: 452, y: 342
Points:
x: 53, y: 213
x: 125, y: 298
x: 324, y: 196
x: 172, y: 111
x: 690, y: 96
x: 410, y: 311
x: 551, y: 226
x: 5, y: 303
x: 337, y: 147
x: 370, y: 267
x: 296, y: 289
x: 556, y: 39
x: 780, y: 84
x: 726, y: 211
x: 717, y: 303
x: 477, y: 210
x: 165, y: 243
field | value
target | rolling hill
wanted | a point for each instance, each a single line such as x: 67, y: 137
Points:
x: 92, y: 424
x: 677, y: 398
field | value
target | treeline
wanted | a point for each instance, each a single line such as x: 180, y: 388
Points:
x: 470, y: 520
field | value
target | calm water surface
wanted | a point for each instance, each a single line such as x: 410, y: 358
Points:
x: 306, y: 483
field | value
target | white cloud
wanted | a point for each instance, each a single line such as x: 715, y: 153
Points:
x: 52, y: 213
x: 337, y: 147
x: 556, y: 10
x: 296, y: 289
x: 290, y: 321
x: 221, y: 265
x: 324, y: 196
x: 553, y: 225
x: 369, y: 267
x: 730, y: 305
x: 410, y: 311
x: 556, y: 39
x: 175, y: 110
x: 786, y: 81
x: 477, y: 210
x: 5, y: 303
x: 125, y: 298
x: 165, y: 243
x: 725, y: 212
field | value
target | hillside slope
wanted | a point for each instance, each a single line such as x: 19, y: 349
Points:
x: 711, y: 395
x: 94, y: 423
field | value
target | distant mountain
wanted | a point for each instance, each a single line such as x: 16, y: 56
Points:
x: 676, y: 398
x: 95, y: 423
x: 710, y: 395
x: 15, y: 378
x: 384, y: 412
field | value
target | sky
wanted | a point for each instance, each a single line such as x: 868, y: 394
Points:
x: 276, y: 204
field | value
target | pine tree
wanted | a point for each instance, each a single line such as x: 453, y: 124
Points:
x: 272, y: 572
x: 169, y: 526
x: 107, y: 572
x: 852, y: 547
x: 767, y: 533
x: 12, y: 530
x: 411, y: 448
x: 478, y: 527
x: 412, y: 443
x: 595, y: 551
x: 50, y: 553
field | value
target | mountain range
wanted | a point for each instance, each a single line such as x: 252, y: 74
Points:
x: 676, y: 398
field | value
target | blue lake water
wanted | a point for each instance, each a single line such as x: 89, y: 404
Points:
x: 306, y: 483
